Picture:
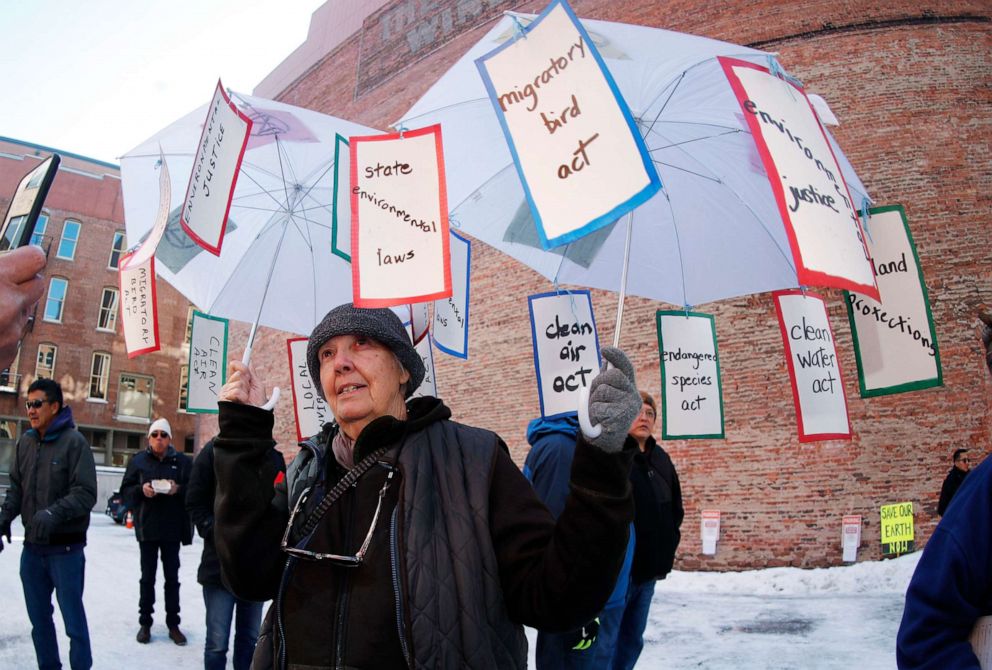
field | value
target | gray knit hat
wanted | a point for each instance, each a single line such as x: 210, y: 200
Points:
x: 380, y: 324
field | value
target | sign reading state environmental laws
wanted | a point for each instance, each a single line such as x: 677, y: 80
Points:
x: 574, y: 142
x: 691, y: 396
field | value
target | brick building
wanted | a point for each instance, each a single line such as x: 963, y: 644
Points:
x: 911, y: 87
x: 75, y: 335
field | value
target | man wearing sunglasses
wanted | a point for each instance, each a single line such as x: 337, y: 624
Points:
x: 154, y: 486
x: 53, y: 489
x: 959, y: 470
x: 401, y: 538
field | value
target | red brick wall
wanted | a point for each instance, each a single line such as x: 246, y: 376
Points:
x: 911, y: 87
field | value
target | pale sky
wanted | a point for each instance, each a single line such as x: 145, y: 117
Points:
x: 97, y: 77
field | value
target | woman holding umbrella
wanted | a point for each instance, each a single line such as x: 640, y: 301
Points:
x: 400, y: 538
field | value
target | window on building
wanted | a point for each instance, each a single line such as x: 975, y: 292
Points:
x: 134, y: 396
x: 183, y: 387
x: 13, y: 232
x: 45, y: 367
x: 57, y: 289
x: 107, y: 320
x: 99, y: 375
x: 39, y: 229
x: 116, y: 249
x: 10, y: 378
x: 70, y: 235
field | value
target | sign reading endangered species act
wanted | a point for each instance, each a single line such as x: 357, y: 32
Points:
x: 207, y: 362
x: 819, y: 215
x: 817, y: 387
x: 215, y: 172
x: 574, y: 142
x: 894, y: 340
x: 139, y: 307
x: 897, y: 529
x: 691, y: 395
x: 399, y: 219
x: 450, y: 329
x: 566, y: 348
x: 311, y: 411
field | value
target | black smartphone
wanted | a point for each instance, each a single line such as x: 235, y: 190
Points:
x: 26, y: 203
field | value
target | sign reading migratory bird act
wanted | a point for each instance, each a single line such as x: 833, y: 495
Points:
x: 139, y: 307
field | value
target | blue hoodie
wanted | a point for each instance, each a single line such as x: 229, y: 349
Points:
x: 549, y: 468
x: 952, y: 585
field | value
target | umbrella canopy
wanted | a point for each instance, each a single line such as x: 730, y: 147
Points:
x: 713, y: 231
x: 276, y: 255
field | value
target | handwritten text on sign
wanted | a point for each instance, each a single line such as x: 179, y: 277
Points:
x: 450, y: 330
x: 207, y: 362
x: 215, y: 172
x: 897, y: 528
x: 692, y: 400
x: 428, y: 387
x: 566, y: 348
x: 399, y: 213
x: 579, y: 155
x: 894, y: 339
x: 139, y: 311
x: 312, y: 411
x: 816, y: 207
x: 817, y: 387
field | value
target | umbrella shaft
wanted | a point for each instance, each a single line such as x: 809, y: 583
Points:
x: 623, y: 279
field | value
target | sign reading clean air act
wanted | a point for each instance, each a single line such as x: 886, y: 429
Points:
x: 207, y: 362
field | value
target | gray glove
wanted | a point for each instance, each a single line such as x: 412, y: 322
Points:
x: 613, y: 401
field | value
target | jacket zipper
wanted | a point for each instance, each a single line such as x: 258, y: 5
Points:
x: 343, y: 602
x: 279, y: 625
x: 393, y: 560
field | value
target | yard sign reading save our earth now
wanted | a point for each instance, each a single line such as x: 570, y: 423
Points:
x: 574, y: 142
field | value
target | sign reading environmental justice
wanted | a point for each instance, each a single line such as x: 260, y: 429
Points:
x: 894, y: 340
x: 897, y: 529
x: 139, y: 309
x: 574, y: 142
x: 816, y: 207
x: 817, y: 387
x: 566, y: 348
x: 450, y: 329
x: 311, y: 411
x: 215, y: 172
x: 399, y: 219
x: 691, y: 396
x: 207, y: 362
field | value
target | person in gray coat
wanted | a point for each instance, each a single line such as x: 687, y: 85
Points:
x: 52, y: 489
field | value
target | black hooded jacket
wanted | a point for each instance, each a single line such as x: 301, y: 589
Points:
x: 161, y: 518
x: 658, y: 513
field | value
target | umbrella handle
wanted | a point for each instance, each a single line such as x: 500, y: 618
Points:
x: 590, y: 431
x: 272, y: 400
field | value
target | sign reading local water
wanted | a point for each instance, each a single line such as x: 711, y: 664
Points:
x: 691, y: 395
x: 207, y: 362
x: 450, y: 329
x: 311, y: 411
x: 819, y: 214
x: 895, y: 342
x: 215, y: 172
x: 817, y: 386
x: 580, y: 157
x: 139, y: 307
x: 566, y: 348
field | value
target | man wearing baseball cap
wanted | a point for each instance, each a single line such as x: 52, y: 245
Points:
x: 154, y: 487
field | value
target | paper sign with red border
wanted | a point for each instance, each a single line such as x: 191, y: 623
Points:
x: 816, y: 207
x: 420, y: 320
x: 821, y: 403
x: 215, y: 172
x: 399, y: 218
x: 309, y: 409
x: 139, y: 305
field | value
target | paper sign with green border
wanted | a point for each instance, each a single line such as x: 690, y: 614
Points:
x: 895, y: 342
x: 897, y: 528
x: 341, y: 207
x: 207, y: 363
x: 691, y: 393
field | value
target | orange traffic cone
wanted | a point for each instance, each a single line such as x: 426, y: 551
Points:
x: 129, y: 520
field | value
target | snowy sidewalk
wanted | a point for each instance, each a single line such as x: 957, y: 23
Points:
x: 781, y: 618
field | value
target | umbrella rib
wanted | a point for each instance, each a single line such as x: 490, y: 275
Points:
x: 440, y: 109
x: 264, y: 191
x: 715, y: 180
x: 694, y: 139
x: 693, y: 66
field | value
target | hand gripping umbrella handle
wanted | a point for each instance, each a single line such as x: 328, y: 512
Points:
x: 590, y: 431
x: 273, y: 399
x: 246, y: 358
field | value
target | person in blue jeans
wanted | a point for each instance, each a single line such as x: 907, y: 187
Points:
x: 221, y: 605
x: 548, y: 467
x: 52, y: 488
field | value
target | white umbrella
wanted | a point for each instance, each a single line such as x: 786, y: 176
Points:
x: 712, y: 232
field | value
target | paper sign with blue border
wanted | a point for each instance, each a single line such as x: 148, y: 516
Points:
x: 574, y: 142
x: 207, y: 362
x: 428, y: 387
x: 311, y: 411
x: 566, y: 348
x: 691, y: 393
x: 450, y: 329
x: 341, y: 205
x: 895, y: 343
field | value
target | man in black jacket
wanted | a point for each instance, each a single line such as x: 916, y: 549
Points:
x: 954, y: 479
x: 53, y: 489
x: 154, y: 487
x: 658, y: 517
x: 220, y: 603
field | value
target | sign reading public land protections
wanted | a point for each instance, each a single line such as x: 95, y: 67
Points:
x: 816, y: 207
x: 691, y: 395
x: 574, y: 142
x: 817, y: 386
x: 897, y: 529
x: 139, y: 306
x: 399, y: 219
x: 894, y: 340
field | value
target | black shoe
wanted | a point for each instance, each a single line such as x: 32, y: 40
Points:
x: 144, y: 635
x: 177, y: 636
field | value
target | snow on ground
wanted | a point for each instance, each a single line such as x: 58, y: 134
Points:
x: 774, y: 619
